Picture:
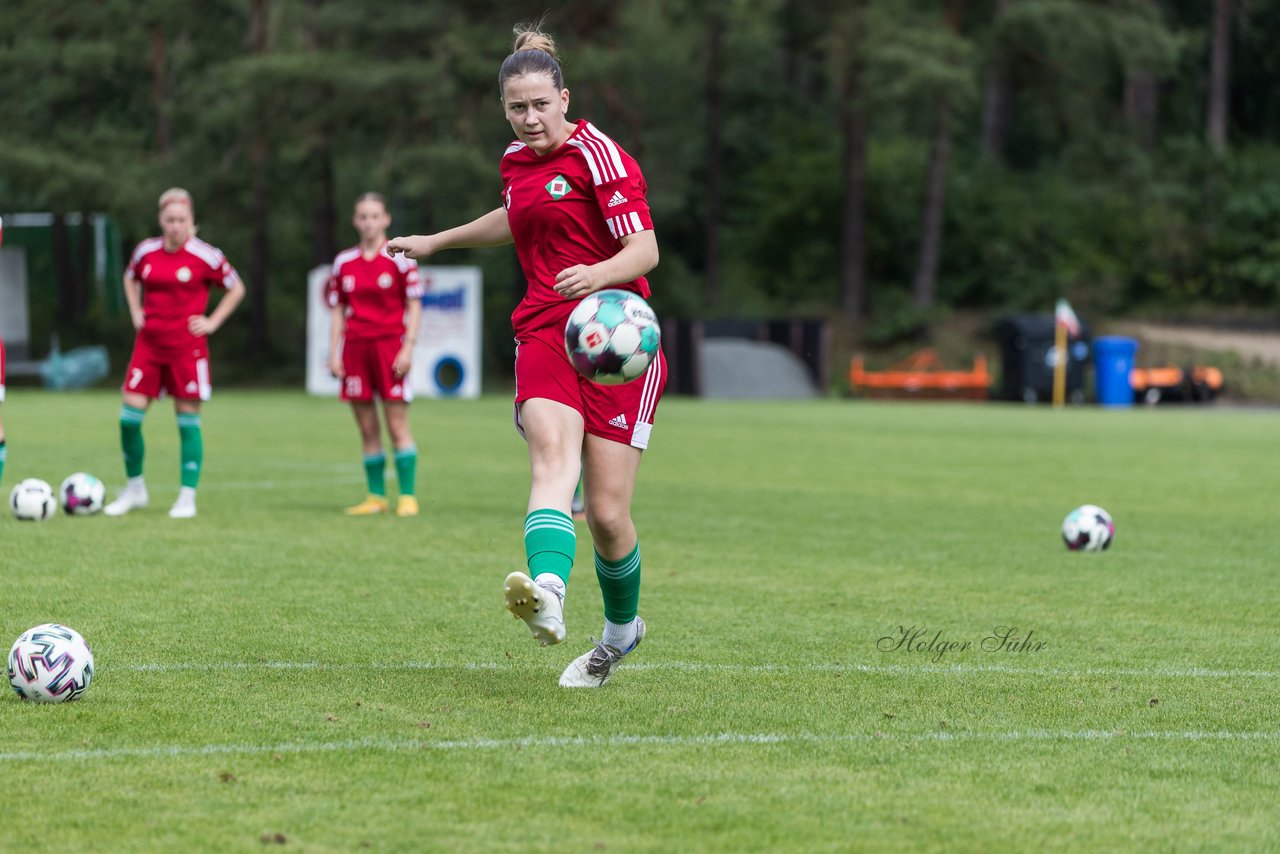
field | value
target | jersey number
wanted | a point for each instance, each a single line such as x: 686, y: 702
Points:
x: 135, y: 377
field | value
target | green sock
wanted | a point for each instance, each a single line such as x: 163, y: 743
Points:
x: 2, y: 456
x: 131, y: 439
x: 620, y: 586
x: 375, y: 471
x: 192, y: 447
x: 407, y: 468
x: 549, y: 543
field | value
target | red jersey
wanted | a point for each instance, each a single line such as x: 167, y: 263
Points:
x: 374, y: 292
x: 569, y: 207
x: 175, y: 286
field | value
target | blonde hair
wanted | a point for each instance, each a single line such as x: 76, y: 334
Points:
x: 371, y: 197
x: 533, y: 52
x: 176, y: 194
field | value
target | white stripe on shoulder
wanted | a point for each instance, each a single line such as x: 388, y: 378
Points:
x: 405, y: 264
x: 146, y: 247
x: 610, y: 147
x: 206, y: 252
x: 343, y: 257
x: 590, y: 157
x: 513, y: 148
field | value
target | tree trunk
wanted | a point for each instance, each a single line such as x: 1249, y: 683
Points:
x: 925, y: 287
x: 853, y: 163
x: 995, y: 97
x: 160, y: 91
x: 1219, y: 75
x: 324, y: 244
x: 1140, y: 99
x: 715, y: 147
x: 260, y: 203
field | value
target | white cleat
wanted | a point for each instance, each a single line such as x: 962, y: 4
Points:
x: 127, y: 499
x: 184, y: 507
x: 593, y: 669
x: 541, y: 609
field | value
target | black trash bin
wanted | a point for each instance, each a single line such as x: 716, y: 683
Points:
x: 1027, y: 358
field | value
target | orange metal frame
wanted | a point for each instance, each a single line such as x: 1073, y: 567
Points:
x: 921, y: 374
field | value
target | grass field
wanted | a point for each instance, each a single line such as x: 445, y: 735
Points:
x: 272, y: 672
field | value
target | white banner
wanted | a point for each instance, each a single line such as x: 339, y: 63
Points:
x: 446, y: 356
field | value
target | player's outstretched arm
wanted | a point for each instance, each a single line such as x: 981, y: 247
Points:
x: 492, y: 229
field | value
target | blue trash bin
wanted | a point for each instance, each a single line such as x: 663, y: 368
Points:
x: 1113, y: 359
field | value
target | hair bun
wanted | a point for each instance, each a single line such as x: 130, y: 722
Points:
x: 532, y: 39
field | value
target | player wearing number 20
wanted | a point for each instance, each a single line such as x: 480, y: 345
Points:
x: 167, y: 287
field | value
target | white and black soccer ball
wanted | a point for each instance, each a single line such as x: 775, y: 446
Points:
x: 50, y: 663
x: 612, y: 336
x: 1088, y: 528
x: 32, y: 500
x: 82, y: 494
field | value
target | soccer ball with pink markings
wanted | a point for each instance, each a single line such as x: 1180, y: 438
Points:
x: 82, y: 494
x: 50, y: 663
x: 612, y: 337
x: 1088, y: 529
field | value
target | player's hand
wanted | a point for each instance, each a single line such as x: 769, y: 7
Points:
x: 139, y: 318
x: 200, y: 326
x: 577, y: 281
x: 335, y: 366
x: 404, y: 361
x: 414, y: 246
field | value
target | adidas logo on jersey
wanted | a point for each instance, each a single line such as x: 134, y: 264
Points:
x: 619, y: 421
x: 617, y: 199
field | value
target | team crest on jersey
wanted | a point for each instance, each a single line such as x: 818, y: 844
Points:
x: 558, y: 187
x: 384, y: 281
x: 184, y: 274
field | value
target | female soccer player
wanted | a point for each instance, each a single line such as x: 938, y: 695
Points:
x: 167, y: 287
x: 371, y: 350
x: 573, y: 202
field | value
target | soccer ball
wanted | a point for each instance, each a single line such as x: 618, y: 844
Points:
x: 612, y: 337
x: 32, y: 500
x: 1088, y: 529
x: 50, y: 664
x: 82, y: 494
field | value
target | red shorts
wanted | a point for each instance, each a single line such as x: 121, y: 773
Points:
x: 181, y: 372
x: 366, y: 368
x: 622, y: 413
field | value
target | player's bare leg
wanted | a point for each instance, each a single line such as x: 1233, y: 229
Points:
x: 609, y: 481
x: 134, y: 495
x: 375, y: 461
x: 554, y: 434
x: 397, y: 415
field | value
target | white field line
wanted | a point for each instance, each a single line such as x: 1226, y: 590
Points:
x: 700, y: 667
x: 285, y: 483
x: 622, y: 741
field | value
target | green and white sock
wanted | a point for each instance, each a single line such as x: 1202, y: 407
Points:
x: 375, y: 472
x: 192, y: 448
x: 620, y: 588
x: 131, y: 439
x: 407, y: 468
x: 549, y: 545
x: 3, y: 453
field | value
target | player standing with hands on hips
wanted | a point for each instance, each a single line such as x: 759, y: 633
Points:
x: 167, y: 288
x: 375, y: 302
x: 573, y: 202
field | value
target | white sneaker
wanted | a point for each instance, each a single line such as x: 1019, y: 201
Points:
x: 593, y: 669
x: 129, y: 498
x: 184, y: 507
x: 541, y: 609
